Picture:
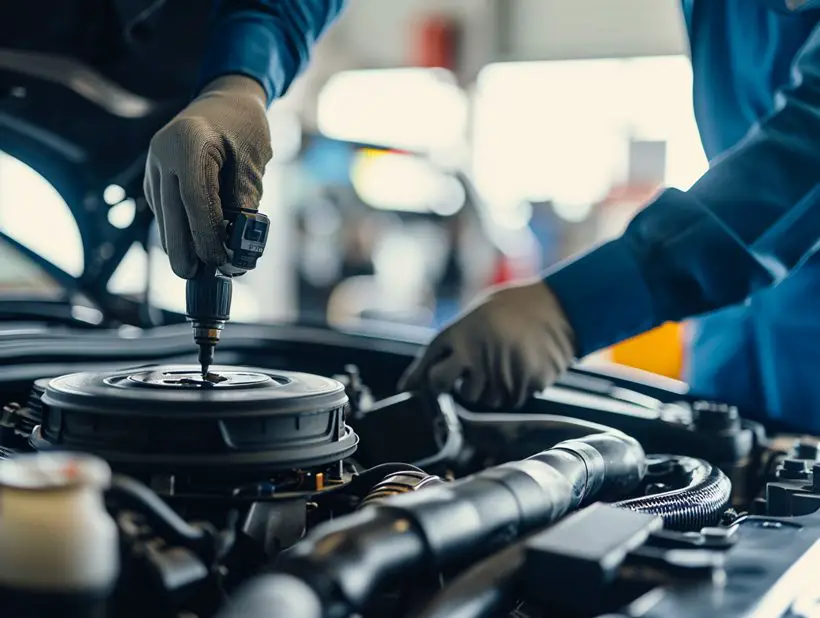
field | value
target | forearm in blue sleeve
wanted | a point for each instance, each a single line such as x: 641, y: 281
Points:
x: 268, y: 40
x: 751, y: 219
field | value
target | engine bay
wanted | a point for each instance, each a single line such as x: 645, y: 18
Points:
x: 294, y: 481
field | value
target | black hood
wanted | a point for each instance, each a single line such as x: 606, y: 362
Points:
x: 84, y: 84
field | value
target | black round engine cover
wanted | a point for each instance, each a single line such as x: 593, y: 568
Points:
x: 169, y: 416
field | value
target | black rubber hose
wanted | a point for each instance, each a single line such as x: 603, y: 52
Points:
x: 488, y: 589
x: 700, y: 504
x: 416, y: 534
x: 131, y: 494
x: 271, y: 596
x: 511, y: 422
x: 510, y: 436
x: 485, y: 590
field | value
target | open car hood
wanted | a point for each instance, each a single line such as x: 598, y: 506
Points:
x: 84, y: 84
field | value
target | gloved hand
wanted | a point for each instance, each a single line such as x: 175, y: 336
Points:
x: 214, y: 150
x: 513, y: 342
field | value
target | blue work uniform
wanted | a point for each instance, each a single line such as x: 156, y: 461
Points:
x: 763, y: 354
x: 268, y: 40
x: 750, y: 221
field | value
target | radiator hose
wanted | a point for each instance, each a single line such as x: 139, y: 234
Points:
x: 344, y: 562
x: 488, y: 588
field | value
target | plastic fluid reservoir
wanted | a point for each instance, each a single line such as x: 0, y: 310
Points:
x: 59, y: 551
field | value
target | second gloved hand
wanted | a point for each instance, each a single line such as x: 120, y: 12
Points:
x: 513, y: 342
x: 215, y: 149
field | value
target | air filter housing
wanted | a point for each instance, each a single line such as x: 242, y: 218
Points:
x: 168, y: 417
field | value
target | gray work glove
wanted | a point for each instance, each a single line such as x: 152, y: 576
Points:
x: 214, y: 150
x: 513, y: 342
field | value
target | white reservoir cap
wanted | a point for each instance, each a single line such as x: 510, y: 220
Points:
x: 55, y: 532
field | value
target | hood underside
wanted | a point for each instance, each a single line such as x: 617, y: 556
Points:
x: 84, y: 84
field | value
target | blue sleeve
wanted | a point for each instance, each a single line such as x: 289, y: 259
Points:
x: 748, y: 222
x: 268, y: 40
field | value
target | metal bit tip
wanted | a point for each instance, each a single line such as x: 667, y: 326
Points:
x: 206, y: 358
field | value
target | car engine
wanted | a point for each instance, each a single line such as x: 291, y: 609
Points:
x: 257, y: 492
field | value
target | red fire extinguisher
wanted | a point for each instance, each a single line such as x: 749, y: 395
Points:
x: 436, y: 43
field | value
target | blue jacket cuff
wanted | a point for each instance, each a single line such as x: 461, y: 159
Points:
x: 604, y: 296
x: 243, y: 46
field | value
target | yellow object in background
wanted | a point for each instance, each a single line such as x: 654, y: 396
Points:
x: 660, y: 351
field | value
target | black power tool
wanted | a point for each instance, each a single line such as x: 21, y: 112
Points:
x: 208, y: 294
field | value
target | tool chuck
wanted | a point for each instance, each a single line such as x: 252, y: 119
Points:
x: 208, y: 305
x: 208, y: 294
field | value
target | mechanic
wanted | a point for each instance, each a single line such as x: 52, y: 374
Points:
x: 749, y: 221
x: 741, y: 227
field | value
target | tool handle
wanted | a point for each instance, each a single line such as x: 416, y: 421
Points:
x: 246, y: 237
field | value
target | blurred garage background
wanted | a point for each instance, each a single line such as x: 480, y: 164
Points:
x: 436, y: 147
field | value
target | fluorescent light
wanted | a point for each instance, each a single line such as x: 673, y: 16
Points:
x: 411, y: 108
